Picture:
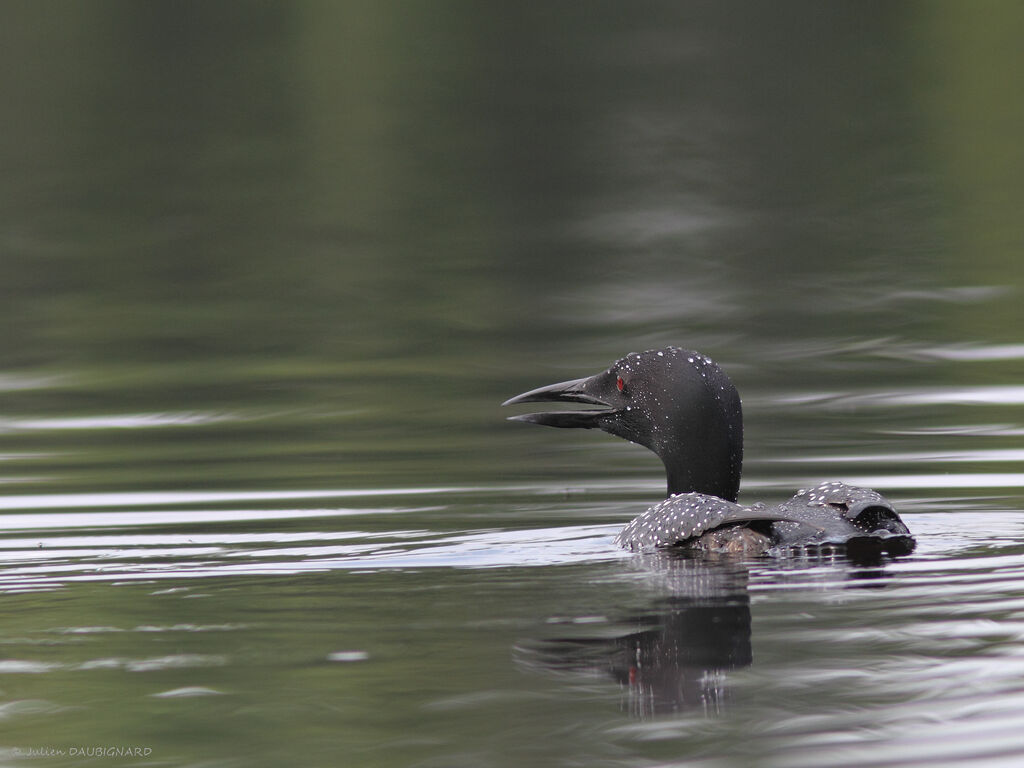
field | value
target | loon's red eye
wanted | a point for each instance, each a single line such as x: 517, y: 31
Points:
x: 620, y: 383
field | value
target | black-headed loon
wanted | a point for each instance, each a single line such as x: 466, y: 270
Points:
x: 682, y: 405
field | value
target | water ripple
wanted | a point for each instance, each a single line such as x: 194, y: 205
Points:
x: 995, y: 394
x: 968, y: 353
x: 946, y: 456
x: 168, y: 498
x: 41, y: 565
x: 116, y: 421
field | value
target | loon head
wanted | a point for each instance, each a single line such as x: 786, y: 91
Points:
x: 676, y: 402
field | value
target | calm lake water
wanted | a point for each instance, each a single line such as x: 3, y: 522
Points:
x: 268, y: 270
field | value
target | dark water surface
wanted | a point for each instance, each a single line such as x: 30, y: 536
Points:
x: 267, y: 270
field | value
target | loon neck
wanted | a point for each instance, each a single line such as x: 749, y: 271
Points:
x: 716, y: 481
x: 709, y: 458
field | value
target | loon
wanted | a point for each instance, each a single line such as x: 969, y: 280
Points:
x: 684, y: 407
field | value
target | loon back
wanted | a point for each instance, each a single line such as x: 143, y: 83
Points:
x: 831, y: 515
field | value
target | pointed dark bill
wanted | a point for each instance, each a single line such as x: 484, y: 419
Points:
x: 574, y: 391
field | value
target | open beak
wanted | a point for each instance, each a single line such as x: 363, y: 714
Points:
x: 575, y: 391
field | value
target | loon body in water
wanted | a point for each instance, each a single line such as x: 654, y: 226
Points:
x: 682, y: 405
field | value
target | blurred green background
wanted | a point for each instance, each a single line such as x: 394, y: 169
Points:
x: 340, y: 233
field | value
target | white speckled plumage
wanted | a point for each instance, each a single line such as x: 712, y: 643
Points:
x: 828, y: 513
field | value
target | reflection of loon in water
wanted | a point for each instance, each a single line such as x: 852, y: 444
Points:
x: 672, y: 657
x: 683, y: 407
x: 676, y: 655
